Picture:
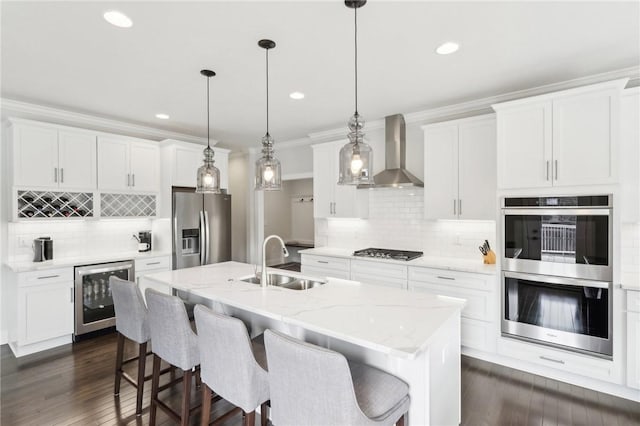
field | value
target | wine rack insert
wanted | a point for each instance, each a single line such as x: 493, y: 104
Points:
x: 49, y: 204
x: 127, y: 205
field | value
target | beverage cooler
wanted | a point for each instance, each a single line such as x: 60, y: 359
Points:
x: 93, y: 301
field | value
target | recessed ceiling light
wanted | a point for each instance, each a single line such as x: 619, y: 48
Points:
x: 296, y: 95
x: 162, y: 116
x: 447, y: 48
x: 118, y: 19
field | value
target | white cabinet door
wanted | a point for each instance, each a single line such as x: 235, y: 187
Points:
x: 113, y: 164
x: 144, y: 160
x: 35, y: 156
x: 630, y: 155
x: 524, y: 146
x: 583, y: 133
x: 47, y: 312
x: 633, y: 349
x: 77, y: 160
x: 441, y: 172
x: 477, y: 170
x: 186, y: 163
x: 325, y: 176
x: 222, y: 163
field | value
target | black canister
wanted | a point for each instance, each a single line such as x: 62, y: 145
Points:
x: 42, y: 249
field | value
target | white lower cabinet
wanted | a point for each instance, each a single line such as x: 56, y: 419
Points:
x: 325, y: 266
x: 478, y: 322
x: 379, y: 273
x: 633, y: 339
x: 151, y: 265
x: 40, y: 310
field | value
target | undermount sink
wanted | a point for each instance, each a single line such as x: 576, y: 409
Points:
x: 286, y: 281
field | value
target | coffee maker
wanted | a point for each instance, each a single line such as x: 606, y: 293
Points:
x: 144, y: 241
x: 42, y: 249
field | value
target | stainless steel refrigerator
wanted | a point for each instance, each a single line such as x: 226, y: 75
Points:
x: 201, y: 228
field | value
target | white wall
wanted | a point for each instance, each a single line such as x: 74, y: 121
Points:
x: 296, y: 161
x: 239, y: 177
x: 396, y: 222
x: 4, y: 211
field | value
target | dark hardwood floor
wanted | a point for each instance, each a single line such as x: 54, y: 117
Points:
x: 73, y: 385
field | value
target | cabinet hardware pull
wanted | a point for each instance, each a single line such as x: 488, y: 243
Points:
x: 61, y: 174
x: 153, y: 263
x: 454, y: 206
x: 556, y: 161
x: 558, y: 361
x: 322, y: 261
x: 55, y: 174
x: 71, y: 294
x: 133, y: 179
x: 460, y: 207
x: 48, y: 276
x: 547, y: 169
x: 446, y: 278
x: 128, y: 179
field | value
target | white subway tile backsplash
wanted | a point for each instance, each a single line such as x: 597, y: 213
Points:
x: 396, y: 221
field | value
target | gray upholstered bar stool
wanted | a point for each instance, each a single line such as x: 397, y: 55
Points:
x: 131, y: 323
x: 174, y: 342
x: 232, y: 365
x: 311, y: 385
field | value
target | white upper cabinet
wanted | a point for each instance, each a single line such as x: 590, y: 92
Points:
x: 186, y: 162
x: 560, y: 139
x: 630, y: 155
x: 46, y: 157
x: 126, y: 165
x: 460, y: 177
x: 329, y: 198
x: 183, y: 160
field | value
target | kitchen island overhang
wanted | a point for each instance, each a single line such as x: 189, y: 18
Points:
x: 415, y: 336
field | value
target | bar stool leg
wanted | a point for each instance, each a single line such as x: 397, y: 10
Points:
x: 186, y: 397
x: 206, y: 405
x: 263, y: 414
x: 250, y: 418
x: 142, y: 361
x: 119, y: 357
x: 155, y: 381
x: 400, y: 421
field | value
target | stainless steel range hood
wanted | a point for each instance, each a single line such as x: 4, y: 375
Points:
x: 395, y: 174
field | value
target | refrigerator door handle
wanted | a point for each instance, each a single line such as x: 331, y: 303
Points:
x: 207, y: 242
x: 201, y: 238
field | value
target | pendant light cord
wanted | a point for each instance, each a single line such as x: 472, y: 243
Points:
x: 355, y: 14
x: 208, y: 145
x: 267, y: 56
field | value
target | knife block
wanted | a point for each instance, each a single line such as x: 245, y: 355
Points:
x: 490, y: 258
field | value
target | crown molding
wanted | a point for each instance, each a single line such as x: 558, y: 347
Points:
x: 11, y: 107
x: 342, y: 132
x: 293, y: 143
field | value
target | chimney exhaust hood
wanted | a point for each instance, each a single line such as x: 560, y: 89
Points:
x: 394, y: 174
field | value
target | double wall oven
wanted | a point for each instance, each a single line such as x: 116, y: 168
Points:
x: 557, y: 271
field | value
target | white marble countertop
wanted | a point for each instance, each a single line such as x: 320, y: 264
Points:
x: 82, y: 260
x: 387, y: 320
x: 446, y: 263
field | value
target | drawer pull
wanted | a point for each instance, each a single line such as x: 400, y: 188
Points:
x: 153, y: 263
x: 48, y: 276
x: 446, y: 278
x: 558, y: 361
x: 322, y: 261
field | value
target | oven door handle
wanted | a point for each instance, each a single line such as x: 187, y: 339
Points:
x: 555, y: 211
x: 558, y: 280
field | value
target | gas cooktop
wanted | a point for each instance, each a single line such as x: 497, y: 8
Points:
x: 379, y: 253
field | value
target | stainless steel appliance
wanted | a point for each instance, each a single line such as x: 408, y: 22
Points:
x: 201, y: 228
x: 563, y: 236
x: 379, y: 253
x: 144, y: 241
x: 557, y: 272
x: 42, y: 249
x: 93, y: 302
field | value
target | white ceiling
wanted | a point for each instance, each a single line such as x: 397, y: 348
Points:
x: 63, y: 54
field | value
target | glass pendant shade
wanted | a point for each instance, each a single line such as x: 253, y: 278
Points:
x: 356, y: 157
x: 268, y: 171
x: 208, y: 175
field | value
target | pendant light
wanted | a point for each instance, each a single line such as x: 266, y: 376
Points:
x: 268, y: 171
x: 208, y: 174
x: 356, y: 157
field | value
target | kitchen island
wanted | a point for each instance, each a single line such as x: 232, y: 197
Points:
x: 414, y: 336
